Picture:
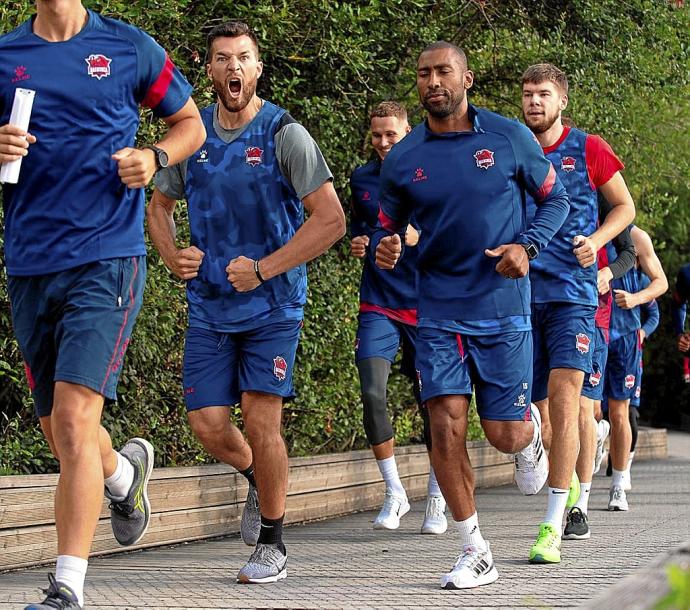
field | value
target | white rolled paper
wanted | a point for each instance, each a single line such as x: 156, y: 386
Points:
x: 20, y: 116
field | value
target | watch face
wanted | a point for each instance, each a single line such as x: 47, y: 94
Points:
x: 162, y: 157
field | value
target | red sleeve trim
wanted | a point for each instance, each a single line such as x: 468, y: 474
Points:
x: 546, y: 188
x: 159, y: 89
x: 602, y: 162
x: 387, y: 223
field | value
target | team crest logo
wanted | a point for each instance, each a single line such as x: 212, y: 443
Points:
x: 629, y: 381
x: 568, y: 164
x: 98, y: 66
x: 20, y: 74
x: 279, y: 368
x: 203, y: 156
x: 366, y: 196
x: 595, y: 379
x: 254, y: 155
x: 582, y: 342
x: 484, y: 158
x: 419, y: 175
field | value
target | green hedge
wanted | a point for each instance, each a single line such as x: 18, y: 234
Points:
x: 329, y: 62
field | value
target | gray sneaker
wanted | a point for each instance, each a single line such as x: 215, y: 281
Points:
x: 251, y: 517
x: 267, y: 564
x: 130, y: 517
x: 60, y: 597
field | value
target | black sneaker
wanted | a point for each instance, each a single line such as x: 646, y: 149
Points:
x: 60, y: 597
x: 130, y: 517
x: 576, y: 526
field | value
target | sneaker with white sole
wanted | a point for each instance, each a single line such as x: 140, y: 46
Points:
x: 603, y: 429
x: 251, y: 517
x: 532, y: 463
x: 473, y: 568
x: 576, y: 525
x: 59, y: 597
x: 130, y: 517
x: 394, y: 507
x: 435, y: 521
x: 617, y: 499
x: 267, y: 564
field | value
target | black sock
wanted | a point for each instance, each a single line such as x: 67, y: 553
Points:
x: 272, y: 532
x: 249, y: 474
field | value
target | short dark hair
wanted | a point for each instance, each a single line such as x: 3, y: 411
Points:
x: 231, y: 29
x: 538, y: 73
x: 443, y: 44
x: 389, y: 108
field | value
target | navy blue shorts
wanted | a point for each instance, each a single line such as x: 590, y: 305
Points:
x: 593, y: 386
x: 622, y: 368
x: 75, y: 325
x: 563, y: 336
x: 219, y: 366
x: 380, y: 337
x: 498, y: 367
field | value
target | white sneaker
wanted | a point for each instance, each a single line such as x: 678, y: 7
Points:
x: 435, y: 521
x: 532, y: 464
x: 474, y: 567
x: 617, y: 499
x: 603, y: 429
x: 394, y: 507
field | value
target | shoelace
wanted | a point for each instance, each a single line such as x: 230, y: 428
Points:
x: 122, y: 508
x: 577, y: 517
x: 390, y: 504
x: 265, y: 554
x: 435, y: 508
x: 469, y: 559
x: 552, y: 538
x: 53, y: 598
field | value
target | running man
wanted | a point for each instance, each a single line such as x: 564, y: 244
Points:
x: 75, y: 253
x: 681, y: 297
x: 464, y: 174
x: 588, y: 463
x: 387, y: 320
x: 246, y: 191
x: 564, y: 287
x: 622, y: 369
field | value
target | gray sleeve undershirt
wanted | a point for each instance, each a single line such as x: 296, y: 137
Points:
x: 170, y: 181
x: 301, y: 160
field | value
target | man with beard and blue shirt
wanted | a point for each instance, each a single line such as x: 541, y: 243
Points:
x: 246, y: 191
x: 464, y: 175
x: 564, y: 289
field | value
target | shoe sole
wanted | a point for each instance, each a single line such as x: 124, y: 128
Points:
x: 382, y: 526
x: 148, y: 448
x: 487, y: 579
x: 575, y: 536
x: 245, y: 580
x: 431, y: 530
x: 540, y: 559
x: 617, y: 509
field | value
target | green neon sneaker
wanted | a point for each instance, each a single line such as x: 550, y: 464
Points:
x: 547, y: 548
x: 574, y: 493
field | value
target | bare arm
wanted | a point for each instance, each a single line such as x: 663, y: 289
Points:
x: 325, y: 226
x: 651, y: 265
x: 184, y: 137
x: 183, y: 262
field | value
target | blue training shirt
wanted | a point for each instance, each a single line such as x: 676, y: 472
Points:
x: 70, y: 207
x: 467, y: 191
x: 393, y: 292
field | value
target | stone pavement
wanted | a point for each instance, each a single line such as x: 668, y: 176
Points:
x: 343, y: 563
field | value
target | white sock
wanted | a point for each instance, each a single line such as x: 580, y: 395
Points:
x: 71, y: 571
x: 469, y: 532
x: 583, y: 500
x: 618, y: 478
x: 631, y: 457
x: 389, y: 472
x: 432, y: 488
x: 120, y: 481
x: 555, y: 508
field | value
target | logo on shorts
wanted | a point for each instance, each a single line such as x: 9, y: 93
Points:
x: 120, y: 357
x: 568, y: 164
x: 629, y: 381
x: 484, y: 158
x: 521, y: 401
x: 419, y: 379
x: 254, y: 155
x: 419, y: 175
x: 366, y: 196
x: 279, y: 368
x: 189, y: 390
x: 582, y: 342
x: 356, y: 343
x: 595, y: 379
x: 638, y: 391
x: 98, y: 66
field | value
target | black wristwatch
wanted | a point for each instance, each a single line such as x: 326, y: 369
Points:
x: 160, y: 155
x: 531, y: 249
